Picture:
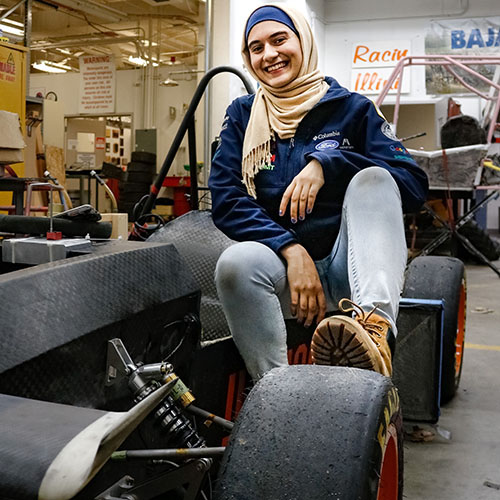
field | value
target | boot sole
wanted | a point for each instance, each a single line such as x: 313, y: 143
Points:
x: 339, y: 341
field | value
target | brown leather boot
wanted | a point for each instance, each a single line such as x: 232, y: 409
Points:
x: 360, y: 342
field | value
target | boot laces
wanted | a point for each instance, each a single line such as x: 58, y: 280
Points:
x: 373, y: 328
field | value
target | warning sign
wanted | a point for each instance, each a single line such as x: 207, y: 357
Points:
x: 8, y: 69
x: 100, y: 142
x: 97, y: 84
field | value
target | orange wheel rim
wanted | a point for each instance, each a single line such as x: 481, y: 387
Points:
x: 388, y: 485
x: 460, y: 338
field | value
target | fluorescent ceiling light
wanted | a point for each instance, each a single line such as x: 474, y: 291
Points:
x: 43, y: 66
x: 139, y: 61
x: 169, y: 82
x: 60, y: 65
x: 14, y: 23
x: 11, y: 30
x: 146, y: 43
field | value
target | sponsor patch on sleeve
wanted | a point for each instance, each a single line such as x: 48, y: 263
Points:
x: 224, y: 123
x: 386, y: 129
x: 402, y: 157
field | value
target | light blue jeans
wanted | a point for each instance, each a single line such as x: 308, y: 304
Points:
x: 366, y: 264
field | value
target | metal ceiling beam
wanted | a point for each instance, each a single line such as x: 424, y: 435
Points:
x: 28, y: 22
x: 83, y: 41
x: 193, y: 52
x: 88, y: 7
x: 170, y: 17
x: 11, y: 10
x: 176, y: 39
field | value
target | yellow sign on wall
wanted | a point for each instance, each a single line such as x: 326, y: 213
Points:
x: 13, y: 79
x: 13, y: 92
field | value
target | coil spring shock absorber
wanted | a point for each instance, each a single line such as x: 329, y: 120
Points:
x: 172, y: 421
x: 144, y: 380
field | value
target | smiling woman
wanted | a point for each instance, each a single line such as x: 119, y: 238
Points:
x: 275, y: 53
x: 285, y: 64
x: 306, y: 178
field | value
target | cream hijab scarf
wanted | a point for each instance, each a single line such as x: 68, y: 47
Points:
x: 280, y: 110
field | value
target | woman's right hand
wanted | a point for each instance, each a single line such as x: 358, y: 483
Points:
x: 306, y: 292
x: 302, y: 191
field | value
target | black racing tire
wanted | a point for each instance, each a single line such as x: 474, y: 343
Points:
x: 126, y: 206
x: 136, y: 187
x: 438, y: 278
x: 316, y: 432
x: 129, y: 207
x: 147, y: 168
x: 139, y: 177
x: 480, y: 240
x: 131, y: 198
x: 133, y: 194
x: 143, y: 157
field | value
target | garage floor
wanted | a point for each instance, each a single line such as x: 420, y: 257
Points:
x: 462, y: 467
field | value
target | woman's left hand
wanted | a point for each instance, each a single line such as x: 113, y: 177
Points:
x: 307, y: 298
x: 302, y: 191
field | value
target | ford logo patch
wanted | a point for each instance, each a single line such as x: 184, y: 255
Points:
x: 327, y: 145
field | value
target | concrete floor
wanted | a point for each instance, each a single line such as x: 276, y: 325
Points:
x: 457, y: 469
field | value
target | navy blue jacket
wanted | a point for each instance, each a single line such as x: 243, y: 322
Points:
x: 345, y: 133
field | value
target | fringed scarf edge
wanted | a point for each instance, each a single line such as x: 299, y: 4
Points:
x: 253, y: 162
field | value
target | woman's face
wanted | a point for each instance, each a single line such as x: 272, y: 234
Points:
x: 275, y: 53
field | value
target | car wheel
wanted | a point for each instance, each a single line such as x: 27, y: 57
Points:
x: 443, y: 278
x: 316, y: 432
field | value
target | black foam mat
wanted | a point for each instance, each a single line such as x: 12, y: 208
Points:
x: 417, y: 360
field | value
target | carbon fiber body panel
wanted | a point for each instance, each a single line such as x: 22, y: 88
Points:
x: 200, y: 243
x: 56, y: 320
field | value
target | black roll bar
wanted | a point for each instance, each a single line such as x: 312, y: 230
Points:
x: 188, y: 125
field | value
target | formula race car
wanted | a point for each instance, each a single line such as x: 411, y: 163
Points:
x: 120, y: 380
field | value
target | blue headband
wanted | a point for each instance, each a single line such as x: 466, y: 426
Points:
x: 269, y: 13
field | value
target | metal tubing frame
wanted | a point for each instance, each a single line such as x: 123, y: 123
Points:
x: 110, y: 193
x: 169, y: 454
x: 11, y: 10
x: 448, y: 62
x: 226, y: 424
x: 450, y: 231
x: 185, y: 124
x: 187, y: 477
x: 193, y: 165
x: 44, y: 186
x: 207, y: 104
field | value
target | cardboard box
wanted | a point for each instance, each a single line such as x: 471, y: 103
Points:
x: 119, y: 225
x: 11, y: 138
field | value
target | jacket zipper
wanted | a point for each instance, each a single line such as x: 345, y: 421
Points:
x: 289, y: 152
x: 290, y: 147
